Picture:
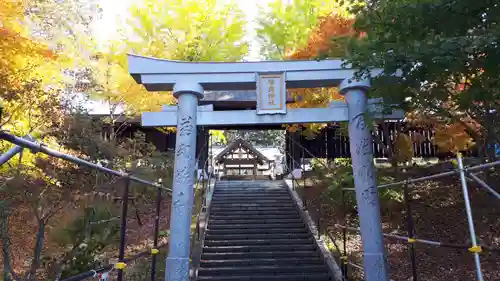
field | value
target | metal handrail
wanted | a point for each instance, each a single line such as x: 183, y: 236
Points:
x: 94, y: 272
x: 40, y: 147
x: 343, y: 258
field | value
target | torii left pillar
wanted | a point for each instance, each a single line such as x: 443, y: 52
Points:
x: 187, y: 95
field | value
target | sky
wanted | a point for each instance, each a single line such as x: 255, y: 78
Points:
x: 115, y: 9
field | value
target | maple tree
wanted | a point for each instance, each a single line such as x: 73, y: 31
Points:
x: 299, y: 30
x: 194, y: 31
x: 285, y: 27
x: 72, y: 64
x: 448, y: 72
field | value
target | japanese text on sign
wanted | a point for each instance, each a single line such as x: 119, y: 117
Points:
x: 271, y: 94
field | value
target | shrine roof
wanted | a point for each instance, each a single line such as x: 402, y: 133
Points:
x: 261, y: 158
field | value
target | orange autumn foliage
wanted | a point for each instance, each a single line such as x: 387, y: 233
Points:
x: 453, y: 138
x: 320, y: 41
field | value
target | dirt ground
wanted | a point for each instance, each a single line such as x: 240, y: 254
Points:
x: 139, y: 236
x: 439, y: 215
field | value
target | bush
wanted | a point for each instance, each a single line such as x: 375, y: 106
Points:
x: 338, y: 175
x: 85, y: 238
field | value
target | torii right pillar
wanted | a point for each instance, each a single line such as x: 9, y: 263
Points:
x: 360, y: 140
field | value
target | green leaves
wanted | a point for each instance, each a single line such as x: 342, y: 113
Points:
x: 445, y: 51
x: 285, y: 27
x: 189, y: 30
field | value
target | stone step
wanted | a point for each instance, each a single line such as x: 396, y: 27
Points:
x: 261, y: 270
x: 262, y: 193
x: 247, y: 186
x: 254, y: 230
x: 259, y: 249
x: 252, y: 210
x: 255, y: 213
x: 287, y: 277
x: 240, y: 200
x: 254, y: 236
x: 259, y: 262
x: 259, y: 255
x: 255, y: 216
x: 249, y: 203
x: 218, y: 221
x: 253, y: 242
x: 215, y: 209
x: 258, y: 226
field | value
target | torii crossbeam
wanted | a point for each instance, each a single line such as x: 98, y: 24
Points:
x: 189, y: 80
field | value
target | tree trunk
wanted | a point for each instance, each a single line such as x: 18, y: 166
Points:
x: 37, y: 254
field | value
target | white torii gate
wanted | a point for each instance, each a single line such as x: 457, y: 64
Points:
x: 189, y: 80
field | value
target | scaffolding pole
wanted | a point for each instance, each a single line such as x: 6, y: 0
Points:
x: 484, y: 185
x: 475, y: 249
x: 440, y: 175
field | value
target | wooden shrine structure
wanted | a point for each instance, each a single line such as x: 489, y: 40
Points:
x: 242, y: 158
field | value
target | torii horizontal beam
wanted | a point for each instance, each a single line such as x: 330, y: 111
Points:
x: 336, y: 112
x: 161, y: 75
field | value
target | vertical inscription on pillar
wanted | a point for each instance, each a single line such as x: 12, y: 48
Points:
x: 365, y: 172
x: 363, y: 147
x: 186, y: 126
x: 182, y: 149
x: 181, y: 175
x: 359, y: 121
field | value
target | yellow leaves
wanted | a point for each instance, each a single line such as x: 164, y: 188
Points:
x: 194, y: 30
x: 452, y: 137
x: 403, y: 148
x: 118, y: 87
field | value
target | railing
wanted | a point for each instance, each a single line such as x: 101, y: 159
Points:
x: 465, y: 174
x: 318, y: 211
x: 122, y: 261
x: 201, y: 213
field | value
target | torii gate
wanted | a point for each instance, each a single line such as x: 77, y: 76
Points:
x: 189, y: 80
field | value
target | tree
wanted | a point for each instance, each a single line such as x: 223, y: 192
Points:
x: 285, y: 27
x: 206, y: 30
x: 194, y: 31
x: 33, y: 82
x: 447, y: 72
x: 303, y: 30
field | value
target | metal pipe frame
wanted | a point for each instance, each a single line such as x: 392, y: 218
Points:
x: 123, y: 230
x: 42, y: 148
x: 470, y: 220
x: 440, y: 175
x: 411, y: 230
x: 156, y: 233
x: 484, y: 185
x: 13, y: 151
x: 422, y: 241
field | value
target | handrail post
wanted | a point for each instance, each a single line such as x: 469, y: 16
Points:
x: 156, y: 234
x: 411, y: 229
x: 475, y: 248
x: 120, y: 266
x: 344, y: 235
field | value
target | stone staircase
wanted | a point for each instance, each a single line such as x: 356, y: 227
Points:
x: 255, y: 232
